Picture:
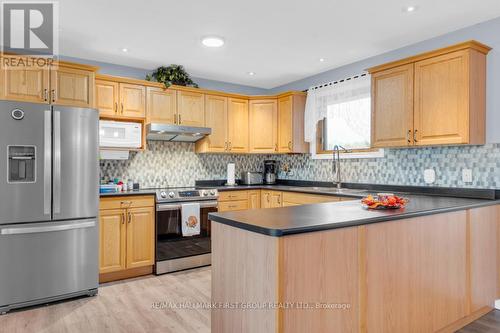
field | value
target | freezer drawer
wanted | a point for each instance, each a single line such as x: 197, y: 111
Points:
x: 40, y: 261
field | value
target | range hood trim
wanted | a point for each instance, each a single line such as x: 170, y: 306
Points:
x: 166, y: 132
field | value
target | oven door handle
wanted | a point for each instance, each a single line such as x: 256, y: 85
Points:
x: 177, y: 206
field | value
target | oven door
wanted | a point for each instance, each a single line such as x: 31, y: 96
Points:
x: 173, y: 250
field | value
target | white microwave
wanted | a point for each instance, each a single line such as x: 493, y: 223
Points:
x: 117, y: 134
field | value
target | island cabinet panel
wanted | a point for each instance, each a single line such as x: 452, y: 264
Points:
x: 483, y: 256
x: 308, y: 276
x: 244, y: 269
x: 416, y: 273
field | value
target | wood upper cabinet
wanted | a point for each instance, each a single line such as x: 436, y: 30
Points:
x: 442, y: 100
x: 24, y: 83
x: 271, y: 199
x: 107, y: 97
x: 191, y: 108
x: 140, y: 237
x: 216, y: 119
x: 161, y: 105
x: 112, y: 240
x: 392, y: 107
x: 436, y: 98
x: 237, y: 125
x: 291, y: 124
x: 132, y: 100
x: 263, y: 126
x: 72, y: 86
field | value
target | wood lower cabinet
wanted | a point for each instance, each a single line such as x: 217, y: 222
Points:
x: 271, y: 199
x: 161, y: 106
x: 126, y: 237
x: 254, y: 199
x: 263, y: 126
x: 436, y: 98
x: 71, y: 86
x: 234, y: 200
x: 295, y: 199
x: 191, y: 108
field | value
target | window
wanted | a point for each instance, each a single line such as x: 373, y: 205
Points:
x: 339, y: 113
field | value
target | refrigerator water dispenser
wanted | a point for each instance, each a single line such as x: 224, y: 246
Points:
x: 22, y: 164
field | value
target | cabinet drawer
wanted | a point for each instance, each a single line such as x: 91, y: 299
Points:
x: 233, y: 205
x: 127, y: 202
x: 233, y: 195
x: 304, y: 198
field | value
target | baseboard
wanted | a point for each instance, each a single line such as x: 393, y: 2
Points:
x: 125, y: 274
x: 466, y: 320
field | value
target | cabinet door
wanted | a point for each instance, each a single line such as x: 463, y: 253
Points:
x: 132, y: 100
x: 285, y: 124
x: 229, y: 206
x: 392, y: 107
x: 216, y: 119
x: 140, y: 237
x: 161, y: 106
x: 23, y: 83
x: 107, y: 97
x: 72, y: 87
x: 191, y: 108
x: 253, y: 199
x: 237, y: 125
x: 441, y: 99
x: 271, y: 199
x: 112, y: 236
x: 263, y: 126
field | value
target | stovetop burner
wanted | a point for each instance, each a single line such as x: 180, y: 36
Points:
x: 175, y: 194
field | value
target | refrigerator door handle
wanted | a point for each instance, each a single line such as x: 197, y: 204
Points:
x: 47, y: 163
x: 35, y: 229
x: 57, y: 162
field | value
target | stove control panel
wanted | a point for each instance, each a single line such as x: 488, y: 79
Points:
x: 185, y: 194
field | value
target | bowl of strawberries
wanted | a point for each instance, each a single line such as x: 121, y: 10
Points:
x: 384, y: 201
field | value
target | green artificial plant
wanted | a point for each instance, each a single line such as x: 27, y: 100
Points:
x: 173, y: 74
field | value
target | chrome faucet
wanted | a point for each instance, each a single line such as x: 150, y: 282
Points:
x: 336, y: 170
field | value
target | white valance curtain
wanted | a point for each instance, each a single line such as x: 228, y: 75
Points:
x: 318, y: 99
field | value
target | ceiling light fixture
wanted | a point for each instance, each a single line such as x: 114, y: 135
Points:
x: 410, y: 9
x: 321, y: 59
x: 125, y: 50
x: 251, y: 73
x: 212, y: 41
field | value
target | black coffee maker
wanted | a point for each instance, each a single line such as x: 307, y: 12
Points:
x: 270, y: 171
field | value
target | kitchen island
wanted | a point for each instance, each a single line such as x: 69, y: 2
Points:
x: 336, y: 267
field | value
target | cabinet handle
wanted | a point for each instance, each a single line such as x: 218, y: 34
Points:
x: 122, y: 107
x: 290, y: 145
x: 275, y: 147
x: 408, y: 136
x: 230, y: 146
x: 267, y: 195
x: 225, y: 146
x: 45, y: 95
x: 129, y: 217
x: 53, y: 95
x: 175, y: 119
x: 415, y: 136
x: 123, y: 218
x: 179, y: 118
x: 116, y: 107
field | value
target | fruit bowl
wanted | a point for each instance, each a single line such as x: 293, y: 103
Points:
x: 384, y: 201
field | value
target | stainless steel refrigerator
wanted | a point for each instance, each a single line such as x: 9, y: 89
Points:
x: 49, y: 185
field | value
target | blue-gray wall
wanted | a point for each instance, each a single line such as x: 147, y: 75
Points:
x: 487, y: 32
x: 140, y: 73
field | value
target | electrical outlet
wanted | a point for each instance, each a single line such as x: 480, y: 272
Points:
x: 429, y: 176
x: 467, y: 175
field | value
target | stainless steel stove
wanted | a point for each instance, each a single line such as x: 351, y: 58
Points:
x: 174, y: 251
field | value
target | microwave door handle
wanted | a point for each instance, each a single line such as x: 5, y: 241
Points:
x: 57, y: 162
x: 47, y: 162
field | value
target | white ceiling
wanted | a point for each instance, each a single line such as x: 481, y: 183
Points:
x: 280, y: 40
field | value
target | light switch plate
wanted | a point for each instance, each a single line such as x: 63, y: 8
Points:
x: 467, y: 175
x: 429, y: 176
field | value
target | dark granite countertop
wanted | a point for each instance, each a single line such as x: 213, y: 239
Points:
x: 146, y: 191
x: 315, y: 217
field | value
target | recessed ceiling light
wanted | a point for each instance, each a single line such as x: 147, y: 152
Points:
x: 125, y: 50
x: 321, y: 59
x: 212, y: 41
x: 251, y: 73
x: 410, y: 9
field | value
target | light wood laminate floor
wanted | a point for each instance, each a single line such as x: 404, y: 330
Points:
x: 127, y: 306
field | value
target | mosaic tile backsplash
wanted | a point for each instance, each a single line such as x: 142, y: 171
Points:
x: 176, y: 164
